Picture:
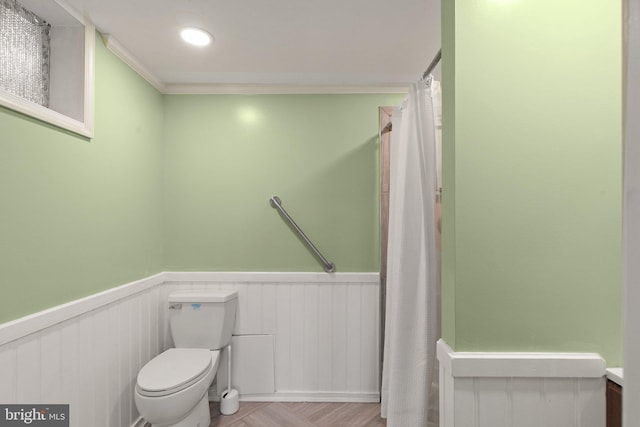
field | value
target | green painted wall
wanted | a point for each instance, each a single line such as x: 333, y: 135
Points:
x: 536, y: 179
x: 227, y: 155
x: 77, y: 216
x: 186, y: 175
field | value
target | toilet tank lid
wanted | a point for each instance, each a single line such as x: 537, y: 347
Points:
x: 217, y: 295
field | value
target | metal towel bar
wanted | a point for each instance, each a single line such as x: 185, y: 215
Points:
x: 328, y: 266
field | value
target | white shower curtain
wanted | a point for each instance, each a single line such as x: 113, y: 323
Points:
x: 412, y: 322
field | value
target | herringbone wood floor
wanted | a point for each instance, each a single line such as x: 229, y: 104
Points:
x: 284, y: 414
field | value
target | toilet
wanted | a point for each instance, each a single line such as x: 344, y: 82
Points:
x: 172, y: 388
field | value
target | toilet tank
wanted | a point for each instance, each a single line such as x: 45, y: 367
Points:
x: 202, y: 319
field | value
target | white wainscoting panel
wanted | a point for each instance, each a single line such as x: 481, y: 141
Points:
x: 521, y: 389
x: 87, y: 353
x: 88, y: 357
x: 325, y: 327
x: 252, y: 368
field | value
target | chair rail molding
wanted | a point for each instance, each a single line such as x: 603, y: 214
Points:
x: 491, y: 389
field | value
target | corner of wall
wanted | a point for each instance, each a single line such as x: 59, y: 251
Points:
x: 448, y: 313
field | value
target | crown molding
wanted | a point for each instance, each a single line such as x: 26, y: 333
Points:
x: 121, y: 52
x: 277, y: 89
x: 240, y: 89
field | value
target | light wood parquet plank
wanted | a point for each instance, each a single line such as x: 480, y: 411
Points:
x: 300, y: 414
x: 246, y: 408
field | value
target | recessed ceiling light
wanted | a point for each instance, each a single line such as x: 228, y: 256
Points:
x: 196, y: 36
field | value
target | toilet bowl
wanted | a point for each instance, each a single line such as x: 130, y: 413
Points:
x: 172, y: 389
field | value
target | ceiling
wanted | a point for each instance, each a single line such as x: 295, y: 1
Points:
x: 331, y: 44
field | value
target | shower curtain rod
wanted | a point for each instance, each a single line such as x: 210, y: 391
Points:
x: 433, y: 64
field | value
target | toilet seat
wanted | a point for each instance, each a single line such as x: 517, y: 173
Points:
x: 174, y: 370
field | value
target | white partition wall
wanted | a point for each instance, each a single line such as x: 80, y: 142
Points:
x: 521, y: 389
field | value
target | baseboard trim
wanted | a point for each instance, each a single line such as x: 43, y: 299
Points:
x: 319, y: 397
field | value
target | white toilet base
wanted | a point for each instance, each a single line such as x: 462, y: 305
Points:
x: 198, y: 417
